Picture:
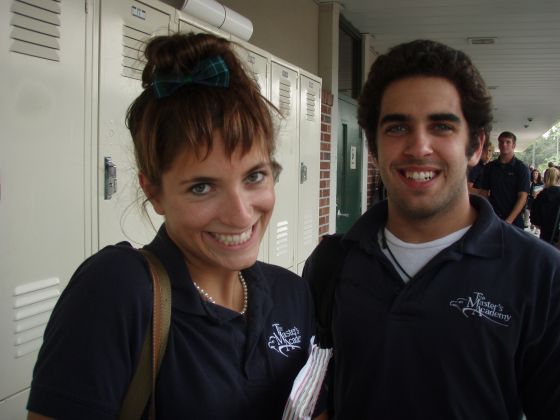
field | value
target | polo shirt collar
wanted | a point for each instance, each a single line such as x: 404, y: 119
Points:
x: 186, y: 298
x: 484, y: 239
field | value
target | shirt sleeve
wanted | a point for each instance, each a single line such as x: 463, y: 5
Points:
x: 93, y: 338
x: 524, y: 178
x: 539, y: 383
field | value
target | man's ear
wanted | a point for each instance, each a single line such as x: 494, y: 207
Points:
x: 473, y: 160
x: 151, y: 192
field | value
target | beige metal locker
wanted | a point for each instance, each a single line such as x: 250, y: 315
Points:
x: 43, y: 177
x: 282, y: 228
x: 309, y: 166
x: 125, y: 27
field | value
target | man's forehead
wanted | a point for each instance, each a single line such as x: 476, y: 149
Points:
x: 434, y: 98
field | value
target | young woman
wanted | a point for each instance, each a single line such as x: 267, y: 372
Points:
x: 535, y: 188
x: 240, y: 329
x: 546, y: 206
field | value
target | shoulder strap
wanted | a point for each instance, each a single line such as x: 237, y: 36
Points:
x: 143, y: 382
x: 322, y: 271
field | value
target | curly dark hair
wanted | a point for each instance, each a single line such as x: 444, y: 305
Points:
x: 431, y: 59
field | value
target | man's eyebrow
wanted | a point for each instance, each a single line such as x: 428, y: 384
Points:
x: 394, y: 118
x: 445, y: 117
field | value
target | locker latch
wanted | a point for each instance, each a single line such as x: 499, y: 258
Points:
x: 110, y: 178
x: 302, y: 172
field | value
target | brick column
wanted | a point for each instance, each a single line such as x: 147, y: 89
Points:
x: 325, y: 165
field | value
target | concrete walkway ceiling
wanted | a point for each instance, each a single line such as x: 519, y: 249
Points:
x: 514, y: 43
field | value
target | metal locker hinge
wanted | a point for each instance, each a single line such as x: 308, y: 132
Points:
x: 110, y: 178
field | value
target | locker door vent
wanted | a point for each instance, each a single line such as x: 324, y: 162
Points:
x: 308, y: 231
x: 36, y: 28
x: 310, y: 108
x: 285, y: 97
x: 282, y: 233
x: 33, y: 304
x: 134, y: 42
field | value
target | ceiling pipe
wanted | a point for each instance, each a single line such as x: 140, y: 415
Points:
x: 217, y: 15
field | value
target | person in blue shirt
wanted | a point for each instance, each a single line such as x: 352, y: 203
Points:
x: 240, y: 329
x: 441, y: 309
x: 506, y: 181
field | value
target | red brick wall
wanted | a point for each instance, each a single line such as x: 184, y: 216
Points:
x: 325, y: 178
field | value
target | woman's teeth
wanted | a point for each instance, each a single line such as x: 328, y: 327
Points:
x: 233, y: 239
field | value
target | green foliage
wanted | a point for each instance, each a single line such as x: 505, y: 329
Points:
x: 545, y: 149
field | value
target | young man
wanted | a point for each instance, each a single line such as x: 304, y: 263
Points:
x: 441, y: 310
x: 475, y: 173
x: 506, y: 181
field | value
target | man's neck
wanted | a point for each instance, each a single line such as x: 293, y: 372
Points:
x: 506, y: 158
x: 430, y: 229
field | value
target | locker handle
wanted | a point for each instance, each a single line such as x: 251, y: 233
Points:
x: 110, y: 170
x: 302, y: 172
x: 338, y: 213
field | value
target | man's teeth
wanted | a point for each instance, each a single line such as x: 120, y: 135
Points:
x: 420, y: 176
x: 233, y: 239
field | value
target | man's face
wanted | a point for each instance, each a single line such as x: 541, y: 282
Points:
x: 422, y: 140
x: 506, y: 146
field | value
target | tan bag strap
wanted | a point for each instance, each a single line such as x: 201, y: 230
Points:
x: 143, y: 382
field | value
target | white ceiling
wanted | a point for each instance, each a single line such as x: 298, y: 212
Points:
x: 522, y: 68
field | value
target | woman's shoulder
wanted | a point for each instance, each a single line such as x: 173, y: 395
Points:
x: 119, y: 269
x: 280, y: 278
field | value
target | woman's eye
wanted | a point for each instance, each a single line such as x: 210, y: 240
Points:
x: 200, y: 189
x: 255, y: 177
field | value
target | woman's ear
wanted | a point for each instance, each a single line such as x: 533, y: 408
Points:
x: 151, y: 192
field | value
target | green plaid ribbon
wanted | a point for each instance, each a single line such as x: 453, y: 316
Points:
x: 211, y: 71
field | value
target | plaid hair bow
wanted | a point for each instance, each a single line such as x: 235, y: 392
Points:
x: 211, y: 71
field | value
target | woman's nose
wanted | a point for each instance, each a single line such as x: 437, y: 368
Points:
x: 237, y: 209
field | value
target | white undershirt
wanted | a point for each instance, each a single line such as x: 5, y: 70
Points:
x: 412, y: 257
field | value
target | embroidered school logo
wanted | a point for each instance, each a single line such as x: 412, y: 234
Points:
x: 284, y: 341
x: 478, y: 305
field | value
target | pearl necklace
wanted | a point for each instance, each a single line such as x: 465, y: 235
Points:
x: 209, y: 298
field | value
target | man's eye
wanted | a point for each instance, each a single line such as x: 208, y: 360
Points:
x: 442, y: 127
x: 256, y: 177
x: 396, y: 129
x: 200, y: 189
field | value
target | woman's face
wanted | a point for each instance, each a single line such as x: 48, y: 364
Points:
x: 217, y: 209
x: 535, y: 175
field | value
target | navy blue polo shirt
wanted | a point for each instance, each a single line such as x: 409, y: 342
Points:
x: 475, y: 334
x: 475, y: 174
x: 505, y: 181
x: 218, y: 363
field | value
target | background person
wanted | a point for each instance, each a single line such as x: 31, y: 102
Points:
x: 535, y: 188
x: 240, y: 329
x: 545, y: 207
x: 441, y: 310
x: 506, y: 182
x: 475, y: 173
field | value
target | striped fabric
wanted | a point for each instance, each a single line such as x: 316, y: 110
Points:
x: 307, y: 385
x: 211, y: 71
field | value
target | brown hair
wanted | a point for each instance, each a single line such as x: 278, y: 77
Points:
x: 188, y: 118
x: 430, y: 59
x: 553, y: 178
